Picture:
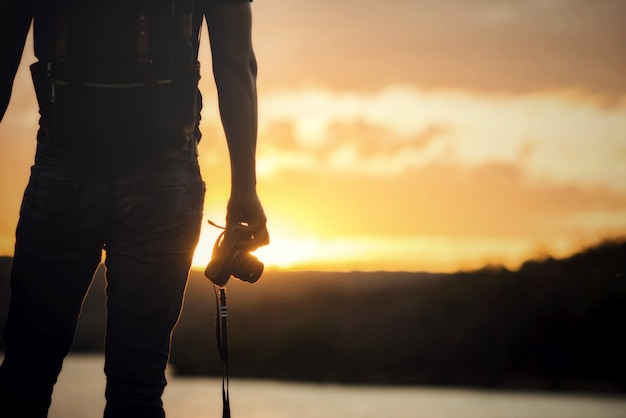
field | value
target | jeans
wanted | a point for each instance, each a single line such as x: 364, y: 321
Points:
x: 146, y: 217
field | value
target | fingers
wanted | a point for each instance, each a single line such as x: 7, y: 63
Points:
x: 252, y: 236
x: 245, y: 214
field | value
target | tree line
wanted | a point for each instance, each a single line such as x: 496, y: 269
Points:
x: 551, y: 324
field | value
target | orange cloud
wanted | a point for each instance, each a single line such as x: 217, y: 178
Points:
x: 507, y: 45
x: 561, y: 137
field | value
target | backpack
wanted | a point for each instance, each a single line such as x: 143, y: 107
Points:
x: 122, y: 77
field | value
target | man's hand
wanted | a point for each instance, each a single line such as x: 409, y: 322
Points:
x: 246, y: 208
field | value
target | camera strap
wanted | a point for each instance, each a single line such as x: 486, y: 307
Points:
x: 221, y: 326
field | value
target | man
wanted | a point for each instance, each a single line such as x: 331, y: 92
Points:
x: 116, y: 169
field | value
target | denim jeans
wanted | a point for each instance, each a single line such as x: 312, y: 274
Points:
x: 146, y: 216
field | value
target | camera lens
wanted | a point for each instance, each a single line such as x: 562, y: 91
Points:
x: 246, y: 267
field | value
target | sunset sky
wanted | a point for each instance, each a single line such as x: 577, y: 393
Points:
x: 412, y: 134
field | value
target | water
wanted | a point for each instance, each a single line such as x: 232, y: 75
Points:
x: 79, y: 394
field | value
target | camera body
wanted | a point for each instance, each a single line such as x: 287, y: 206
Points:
x: 227, y: 260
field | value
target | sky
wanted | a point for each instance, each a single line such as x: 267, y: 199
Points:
x: 413, y: 135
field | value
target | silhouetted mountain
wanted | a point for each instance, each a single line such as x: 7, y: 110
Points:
x: 550, y: 324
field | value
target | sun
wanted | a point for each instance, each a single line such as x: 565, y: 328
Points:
x: 288, y: 253
x: 283, y: 253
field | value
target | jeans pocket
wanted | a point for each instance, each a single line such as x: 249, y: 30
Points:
x: 165, y: 218
x: 49, y: 213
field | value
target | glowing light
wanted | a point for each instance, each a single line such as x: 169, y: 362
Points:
x: 415, y: 253
x: 285, y: 253
x: 282, y: 253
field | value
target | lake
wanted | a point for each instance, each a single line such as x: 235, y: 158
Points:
x: 80, y: 394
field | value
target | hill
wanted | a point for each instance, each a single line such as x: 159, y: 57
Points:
x: 552, y: 324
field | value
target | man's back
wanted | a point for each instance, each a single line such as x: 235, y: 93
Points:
x: 117, y: 77
x: 101, y: 36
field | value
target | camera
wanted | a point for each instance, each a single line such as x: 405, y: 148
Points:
x: 228, y: 261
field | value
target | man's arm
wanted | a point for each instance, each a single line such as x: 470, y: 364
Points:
x: 235, y: 69
x: 15, y: 18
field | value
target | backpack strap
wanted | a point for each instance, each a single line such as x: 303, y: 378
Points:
x: 184, y: 48
x: 142, y: 44
x: 143, y: 38
x: 183, y: 31
x: 62, y: 33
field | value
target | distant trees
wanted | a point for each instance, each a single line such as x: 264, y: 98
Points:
x: 551, y: 324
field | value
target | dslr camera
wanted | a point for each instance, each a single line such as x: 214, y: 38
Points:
x: 227, y: 260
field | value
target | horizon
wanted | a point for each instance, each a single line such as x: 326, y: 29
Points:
x: 412, y: 136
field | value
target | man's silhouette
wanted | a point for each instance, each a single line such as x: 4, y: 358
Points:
x: 116, y: 169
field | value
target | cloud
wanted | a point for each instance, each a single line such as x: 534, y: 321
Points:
x: 480, y: 45
x: 560, y: 137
